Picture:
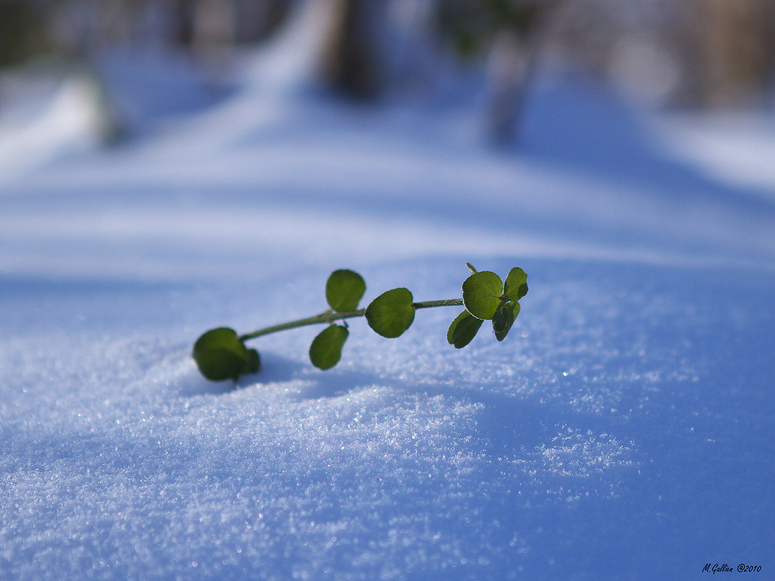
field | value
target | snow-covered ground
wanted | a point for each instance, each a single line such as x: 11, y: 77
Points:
x: 622, y: 431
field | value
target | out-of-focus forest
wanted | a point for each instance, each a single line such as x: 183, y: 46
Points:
x: 687, y: 53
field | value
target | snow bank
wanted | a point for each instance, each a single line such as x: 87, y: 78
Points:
x: 625, y: 423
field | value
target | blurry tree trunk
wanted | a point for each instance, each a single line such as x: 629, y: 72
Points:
x: 733, y: 50
x: 183, y: 21
x: 255, y: 19
x: 768, y: 41
x: 22, y: 31
x: 214, y: 24
x: 352, y: 60
x: 511, y: 66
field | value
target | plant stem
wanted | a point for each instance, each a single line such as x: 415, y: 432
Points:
x: 327, y: 317
x: 331, y: 316
x: 444, y: 303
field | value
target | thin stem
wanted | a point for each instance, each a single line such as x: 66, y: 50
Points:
x: 444, y: 303
x: 327, y: 317
x: 331, y: 316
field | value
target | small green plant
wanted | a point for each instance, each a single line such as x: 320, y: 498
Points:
x: 221, y: 354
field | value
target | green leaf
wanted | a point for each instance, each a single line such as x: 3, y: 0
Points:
x: 219, y: 355
x: 391, y: 313
x: 253, y: 364
x: 326, y: 348
x: 504, y: 318
x: 463, y: 329
x: 344, y: 289
x: 481, y: 294
x: 471, y: 267
x: 516, y: 284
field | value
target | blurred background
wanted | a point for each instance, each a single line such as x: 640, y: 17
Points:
x: 695, y: 54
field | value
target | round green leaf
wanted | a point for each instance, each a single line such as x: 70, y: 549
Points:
x: 219, y: 355
x: 391, y: 313
x: 481, y: 294
x: 326, y: 348
x: 504, y: 318
x: 253, y: 364
x: 463, y: 329
x: 344, y: 289
x: 516, y: 284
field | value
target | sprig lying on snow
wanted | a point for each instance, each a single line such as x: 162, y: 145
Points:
x: 221, y: 354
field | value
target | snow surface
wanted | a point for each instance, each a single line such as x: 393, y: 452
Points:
x: 622, y: 431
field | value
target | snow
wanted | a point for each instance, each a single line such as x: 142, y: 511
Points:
x: 733, y: 148
x: 622, y: 431
x: 70, y: 119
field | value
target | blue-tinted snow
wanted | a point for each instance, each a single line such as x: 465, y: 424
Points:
x: 625, y: 427
x: 622, y: 431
